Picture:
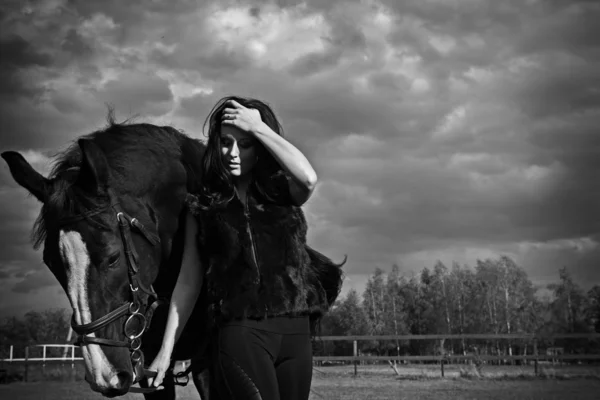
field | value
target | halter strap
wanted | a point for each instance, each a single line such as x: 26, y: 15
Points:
x: 83, y: 340
x: 100, y: 322
x: 84, y: 215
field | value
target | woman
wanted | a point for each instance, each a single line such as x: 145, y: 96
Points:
x: 246, y: 242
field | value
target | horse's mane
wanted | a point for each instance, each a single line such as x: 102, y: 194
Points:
x: 125, y: 145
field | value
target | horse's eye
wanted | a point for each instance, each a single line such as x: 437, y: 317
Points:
x: 113, y: 260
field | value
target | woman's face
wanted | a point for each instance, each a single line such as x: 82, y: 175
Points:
x: 238, y: 150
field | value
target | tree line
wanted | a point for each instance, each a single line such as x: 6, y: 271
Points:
x: 496, y: 297
x: 50, y: 326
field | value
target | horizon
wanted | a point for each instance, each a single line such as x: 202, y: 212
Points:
x: 542, y: 291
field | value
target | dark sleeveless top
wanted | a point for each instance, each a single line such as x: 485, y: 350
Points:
x: 257, y: 262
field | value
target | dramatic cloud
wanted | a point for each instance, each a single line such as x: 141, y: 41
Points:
x: 450, y: 130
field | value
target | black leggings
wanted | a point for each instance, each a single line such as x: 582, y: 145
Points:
x: 264, y: 360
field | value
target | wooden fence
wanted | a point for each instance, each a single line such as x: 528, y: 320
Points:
x: 444, y: 359
x: 68, y: 357
x: 67, y: 348
x: 68, y: 354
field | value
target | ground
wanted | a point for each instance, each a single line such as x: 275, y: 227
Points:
x: 576, y: 382
x: 357, y: 388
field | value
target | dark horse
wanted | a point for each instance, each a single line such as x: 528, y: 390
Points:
x: 111, y: 225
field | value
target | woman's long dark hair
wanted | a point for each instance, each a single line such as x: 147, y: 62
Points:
x: 217, y: 185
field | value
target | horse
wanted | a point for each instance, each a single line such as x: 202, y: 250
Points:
x: 111, y: 224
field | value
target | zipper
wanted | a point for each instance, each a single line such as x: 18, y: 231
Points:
x: 249, y: 230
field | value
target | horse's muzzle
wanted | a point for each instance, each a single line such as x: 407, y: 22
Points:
x: 119, y: 384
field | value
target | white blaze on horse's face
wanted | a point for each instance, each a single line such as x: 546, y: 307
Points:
x: 76, y: 258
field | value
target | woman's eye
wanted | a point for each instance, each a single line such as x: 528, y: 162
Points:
x: 113, y: 260
x: 246, y: 144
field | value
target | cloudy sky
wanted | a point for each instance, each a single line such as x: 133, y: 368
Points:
x: 440, y: 129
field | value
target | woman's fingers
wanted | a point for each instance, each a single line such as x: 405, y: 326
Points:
x: 241, y: 117
x: 234, y: 103
x: 158, y: 379
x: 160, y: 375
x: 229, y: 114
x: 227, y: 119
x: 151, y: 379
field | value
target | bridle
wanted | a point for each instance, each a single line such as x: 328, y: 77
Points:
x: 130, y: 309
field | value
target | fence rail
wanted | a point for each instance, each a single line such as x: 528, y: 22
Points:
x: 356, y: 357
x: 44, y: 357
x: 464, y: 336
x: 459, y: 357
x: 27, y: 361
x: 448, y: 358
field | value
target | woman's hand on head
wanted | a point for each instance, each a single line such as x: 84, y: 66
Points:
x: 246, y: 119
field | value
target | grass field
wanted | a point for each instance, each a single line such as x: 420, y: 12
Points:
x: 361, y: 388
x: 375, y: 383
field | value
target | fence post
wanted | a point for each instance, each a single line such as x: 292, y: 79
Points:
x: 355, y: 360
x: 442, y: 364
x: 26, y: 363
x: 535, y: 353
x: 10, y: 353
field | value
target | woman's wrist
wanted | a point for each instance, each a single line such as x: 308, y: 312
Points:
x: 262, y: 129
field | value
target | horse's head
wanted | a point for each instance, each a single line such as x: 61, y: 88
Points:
x: 103, y: 246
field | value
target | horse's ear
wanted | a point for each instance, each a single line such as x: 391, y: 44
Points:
x: 24, y: 174
x: 94, y: 167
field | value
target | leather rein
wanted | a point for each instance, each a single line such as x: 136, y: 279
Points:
x: 130, y: 309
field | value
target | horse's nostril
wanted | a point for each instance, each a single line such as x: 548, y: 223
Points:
x: 125, y: 379
x: 122, y: 380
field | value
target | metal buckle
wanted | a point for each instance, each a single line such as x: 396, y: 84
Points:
x: 135, y: 344
x: 134, y: 307
x: 142, y: 320
x: 181, y: 375
x: 136, y: 356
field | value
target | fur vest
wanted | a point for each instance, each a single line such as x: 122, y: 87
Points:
x: 257, y: 262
